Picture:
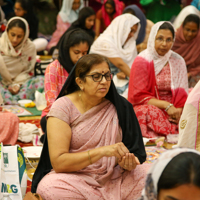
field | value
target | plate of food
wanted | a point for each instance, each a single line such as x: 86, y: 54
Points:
x: 32, y: 151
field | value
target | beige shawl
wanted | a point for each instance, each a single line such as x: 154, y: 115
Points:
x: 16, y: 63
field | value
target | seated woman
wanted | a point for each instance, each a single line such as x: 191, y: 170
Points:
x: 145, y: 29
x: 9, y: 126
x: 67, y: 15
x: 17, y: 61
x: 100, y: 144
x: 189, y: 133
x: 85, y: 22
x: 109, y: 10
x: 135, y: 10
x: 73, y: 45
x: 175, y: 175
x: 183, y: 14
x: 187, y: 44
x: 118, y: 43
x: 24, y: 8
x: 158, y: 84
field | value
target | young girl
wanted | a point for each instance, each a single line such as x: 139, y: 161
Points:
x: 74, y: 45
x: 17, y: 62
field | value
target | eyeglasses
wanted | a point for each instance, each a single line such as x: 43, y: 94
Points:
x: 98, y: 77
x: 161, y: 40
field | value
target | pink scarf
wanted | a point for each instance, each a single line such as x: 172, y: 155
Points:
x: 189, y: 50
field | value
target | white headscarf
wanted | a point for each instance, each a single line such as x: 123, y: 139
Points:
x: 176, y: 62
x: 67, y: 14
x: 110, y: 42
x: 16, y: 63
x: 150, y: 53
x: 155, y: 172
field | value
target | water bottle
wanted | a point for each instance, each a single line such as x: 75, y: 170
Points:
x: 6, y: 197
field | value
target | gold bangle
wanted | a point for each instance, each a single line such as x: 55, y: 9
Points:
x: 89, y: 157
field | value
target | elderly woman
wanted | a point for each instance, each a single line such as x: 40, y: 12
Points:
x: 175, y: 175
x: 118, y: 43
x: 99, y: 139
x: 17, y: 62
x: 187, y: 44
x: 158, y: 84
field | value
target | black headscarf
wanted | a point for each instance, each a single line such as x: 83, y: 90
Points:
x: 80, y: 23
x: 68, y: 40
x: 131, y: 133
x: 30, y: 17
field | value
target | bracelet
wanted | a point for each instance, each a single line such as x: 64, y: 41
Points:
x: 170, y: 105
x: 16, y: 84
x: 89, y: 157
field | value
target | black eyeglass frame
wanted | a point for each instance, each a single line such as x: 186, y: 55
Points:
x: 102, y: 75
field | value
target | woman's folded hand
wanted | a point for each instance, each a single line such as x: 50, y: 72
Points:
x: 14, y: 89
x: 129, y: 162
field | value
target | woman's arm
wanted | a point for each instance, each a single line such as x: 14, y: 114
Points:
x: 97, y: 27
x: 59, y: 139
x: 158, y: 103
x: 98, y: 23
x: 172, y: 111
x: 121, y: 65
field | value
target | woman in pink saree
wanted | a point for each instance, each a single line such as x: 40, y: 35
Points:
x: 158, y: 85
x: 94, y: 147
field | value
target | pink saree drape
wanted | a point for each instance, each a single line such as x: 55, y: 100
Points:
x: 102, y: 180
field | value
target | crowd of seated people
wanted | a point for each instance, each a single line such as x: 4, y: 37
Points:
x: 121, y: 70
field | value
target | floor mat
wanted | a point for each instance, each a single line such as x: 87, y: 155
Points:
x: 33, y: 120
x: 153, y: 153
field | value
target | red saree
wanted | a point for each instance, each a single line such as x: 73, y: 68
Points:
x: 143, y: 86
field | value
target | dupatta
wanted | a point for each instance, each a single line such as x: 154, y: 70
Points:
x: 189, y: 50
x: 110, y: 42
x: 189, y: 125
x: 16, y: 63
x: 148, y: 64
x: 131, y: 133
x: 143, y: 21
x: 67, y: 14
x: 118, y: 11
